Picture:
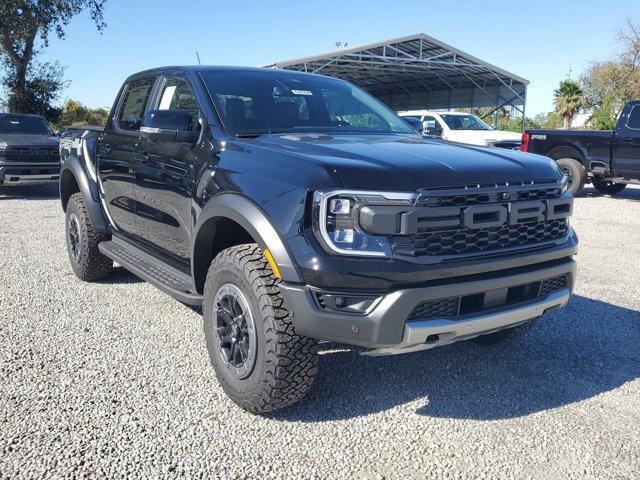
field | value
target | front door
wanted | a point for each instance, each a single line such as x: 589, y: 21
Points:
x: 165, y: 176
x: 626, y: 147
x: 117, y: 154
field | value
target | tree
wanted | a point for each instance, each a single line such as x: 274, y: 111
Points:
x: 568, y: 100
x: 75, y: 113
x: 24, y: 32
x: 629, y: 36
x: 609, y: 84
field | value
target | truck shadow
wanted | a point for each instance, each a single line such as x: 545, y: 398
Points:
x: 632, y: 192
x: 42, y: 192
x: 588, y: 348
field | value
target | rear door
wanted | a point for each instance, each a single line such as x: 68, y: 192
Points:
x: 626, y: 143
x: 117, y: 154
x: 165, y: 177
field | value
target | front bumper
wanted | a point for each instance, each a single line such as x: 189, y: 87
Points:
x: 386, y: 329
x: 29, y: 173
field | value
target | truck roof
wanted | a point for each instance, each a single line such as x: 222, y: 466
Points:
x: 206, y: 68
x: 6, y: 114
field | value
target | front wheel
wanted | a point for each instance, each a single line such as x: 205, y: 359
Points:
x: 502, y: 335
x: 575, y: 172
x: 261, y: 362
x: 82, y: 243
x: 608, y: 188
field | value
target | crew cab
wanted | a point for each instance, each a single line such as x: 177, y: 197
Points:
x: 295, y: 207
x: 609, y: 159
x: 28, y: 151
x: 463, y: 128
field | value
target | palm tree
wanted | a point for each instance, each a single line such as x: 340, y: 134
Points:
x: 568, y: 100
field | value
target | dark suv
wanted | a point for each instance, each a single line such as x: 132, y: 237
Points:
x: 28, y: 151
x: 296, y: 207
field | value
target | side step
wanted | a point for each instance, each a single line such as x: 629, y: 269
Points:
x: 168, y: 279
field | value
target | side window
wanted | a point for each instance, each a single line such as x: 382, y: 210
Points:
x: 177, y: 94
x: 134, y: 102
x: 634, y: 118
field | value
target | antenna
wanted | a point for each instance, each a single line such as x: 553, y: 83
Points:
x: 198, y: 57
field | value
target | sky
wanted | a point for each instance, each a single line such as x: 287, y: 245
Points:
x: 538, y: 40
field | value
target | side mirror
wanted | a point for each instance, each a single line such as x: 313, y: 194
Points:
x: 434, y: 131
x: 169, y: 125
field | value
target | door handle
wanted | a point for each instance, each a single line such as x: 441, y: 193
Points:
x: 144, y: 157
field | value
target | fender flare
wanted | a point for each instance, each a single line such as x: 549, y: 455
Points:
x: 88, y: 188
x: 567, y: 151
x: 253, y: 219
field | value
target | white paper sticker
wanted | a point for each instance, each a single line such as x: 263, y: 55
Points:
x: 301, y: 92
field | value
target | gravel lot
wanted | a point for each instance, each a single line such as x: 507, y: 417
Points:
x: 113, y: 379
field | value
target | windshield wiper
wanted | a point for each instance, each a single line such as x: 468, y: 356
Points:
x: 259, y: 134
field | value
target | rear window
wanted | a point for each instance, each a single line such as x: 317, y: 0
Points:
x: 134, y: 102
x: 27, y: 125
x: 634, y: 118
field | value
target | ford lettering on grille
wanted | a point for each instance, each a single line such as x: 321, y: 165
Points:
x: 476, y: 226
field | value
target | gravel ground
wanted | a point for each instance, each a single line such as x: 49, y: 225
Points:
x: 113, y: 379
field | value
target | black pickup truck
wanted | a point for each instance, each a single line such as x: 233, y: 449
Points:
x: 28, y: 151
x: 295, y: 208
x: 608, y: 159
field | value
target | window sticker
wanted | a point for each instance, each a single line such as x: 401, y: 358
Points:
x: 301, y: 92
x: 167, y: 96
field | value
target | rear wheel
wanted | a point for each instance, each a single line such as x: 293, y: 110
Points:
x: 261, y: 362
x: 82, y: 243
x: 608, y: 188
x: 575, y: 172
x: 501, y: 335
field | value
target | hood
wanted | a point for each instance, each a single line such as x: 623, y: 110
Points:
x: 403, y: 162
x: 480, y: 137
x: 27, y: 140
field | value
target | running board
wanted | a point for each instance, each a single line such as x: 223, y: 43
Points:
x: 150, y: 269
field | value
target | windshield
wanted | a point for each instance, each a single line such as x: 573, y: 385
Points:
x: 464, y: 122
x: 276, y: 101
x: 23, y: 124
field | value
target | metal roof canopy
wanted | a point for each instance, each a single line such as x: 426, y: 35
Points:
x: 419, y: 72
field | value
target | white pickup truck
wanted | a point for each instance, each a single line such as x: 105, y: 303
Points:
x: 464, y: 128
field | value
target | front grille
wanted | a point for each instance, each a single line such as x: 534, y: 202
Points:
x: 30, y: 154
x: 463, y: 240
x: 554, y: 284
x: 453, y: 307
x: 487, y: 193
x: 435, y: 235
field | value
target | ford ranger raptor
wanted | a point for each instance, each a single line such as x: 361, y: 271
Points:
x: 296, y: 208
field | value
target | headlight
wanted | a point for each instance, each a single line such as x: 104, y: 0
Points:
x: 564, y: 184
x: 336, y: 224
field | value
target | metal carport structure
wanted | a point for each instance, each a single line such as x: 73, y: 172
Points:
x: 419, y: 72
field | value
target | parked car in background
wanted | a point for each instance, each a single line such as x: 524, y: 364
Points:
x: 464, y: 128
x: 28, y: 151
x: 609, y: 159
x: 295, y: 207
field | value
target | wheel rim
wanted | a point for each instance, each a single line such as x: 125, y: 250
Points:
x: 570, y: 175
x: 74, y: 237
x: 235, y: 330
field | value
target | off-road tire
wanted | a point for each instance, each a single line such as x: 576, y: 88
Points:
x: 286, y: 362
x: 90, y: 265
x: 501, y: 335
x: 608, y: 188
x: 573, y: 169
